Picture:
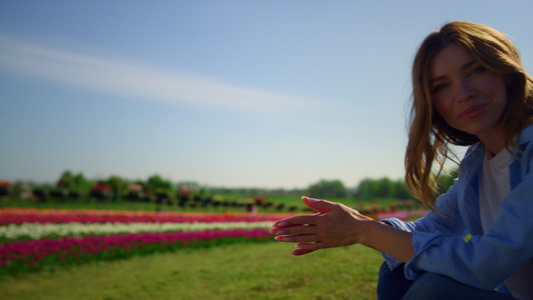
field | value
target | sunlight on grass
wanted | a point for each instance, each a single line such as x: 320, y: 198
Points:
x: 249, y: 271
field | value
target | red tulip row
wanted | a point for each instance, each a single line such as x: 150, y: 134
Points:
x: 20, y: 216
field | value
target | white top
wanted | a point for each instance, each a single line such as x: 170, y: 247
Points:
x: 494, y: 186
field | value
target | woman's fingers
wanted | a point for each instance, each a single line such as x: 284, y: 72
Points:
x: 299, y: 251
x: 298, y: 220
x: 301, y: 238
x: 296, y: 229
x: 311, y: 246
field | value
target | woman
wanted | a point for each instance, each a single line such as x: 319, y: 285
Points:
x: 469, y: 89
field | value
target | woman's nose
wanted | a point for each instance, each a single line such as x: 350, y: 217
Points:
x: 464, y: 90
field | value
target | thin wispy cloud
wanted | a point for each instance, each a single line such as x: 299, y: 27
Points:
x: 137, y: 80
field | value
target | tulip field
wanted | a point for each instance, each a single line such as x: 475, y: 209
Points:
x: 200, y: 255
x: 42, y: 239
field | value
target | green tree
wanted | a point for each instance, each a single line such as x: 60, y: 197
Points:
x: 364, y: 190
x: 327, y: 189
x: 401, y: 191
x: 382, y: 188
x: 72, y: 182
x: 155, y: 182
x: 67, y: 181
x: 119, y: 185
x: 82, y: 184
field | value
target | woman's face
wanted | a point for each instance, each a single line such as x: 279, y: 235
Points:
x: 469, y: 97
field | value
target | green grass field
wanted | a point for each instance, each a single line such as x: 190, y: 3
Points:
x: 287, y: 200
x: 241, y: 271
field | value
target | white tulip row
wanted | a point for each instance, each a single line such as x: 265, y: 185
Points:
x: 39, y: 231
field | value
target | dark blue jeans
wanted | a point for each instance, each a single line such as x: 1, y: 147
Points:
x: 392, y: 285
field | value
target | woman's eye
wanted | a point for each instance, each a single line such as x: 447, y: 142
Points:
x: 477, y: 70
x: 439, y: 87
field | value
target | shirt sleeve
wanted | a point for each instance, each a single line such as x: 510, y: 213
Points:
x: 446, y: 221
x: 486, y: 260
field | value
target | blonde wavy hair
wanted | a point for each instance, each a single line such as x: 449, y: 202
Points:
x: 429, y: 134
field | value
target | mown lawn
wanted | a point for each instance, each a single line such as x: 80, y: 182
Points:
x: 240, y: 271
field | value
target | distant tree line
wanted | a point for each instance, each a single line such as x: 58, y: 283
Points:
x: 325, y: 189
x: 115, y: 188
x: 397, y: 189
x: 382, y: 188
x: 156, y: 192
x: 369, y: 188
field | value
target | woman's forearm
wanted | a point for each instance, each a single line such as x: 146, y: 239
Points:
x: 387, y: 239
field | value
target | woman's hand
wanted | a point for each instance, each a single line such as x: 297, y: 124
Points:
x: 334, y: 225
x: 338, y: 225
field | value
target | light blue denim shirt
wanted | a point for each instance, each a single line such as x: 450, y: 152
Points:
x: 487, y: 259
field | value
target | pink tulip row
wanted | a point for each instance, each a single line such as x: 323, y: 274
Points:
x: 20, y: 216
x: 28, y: 255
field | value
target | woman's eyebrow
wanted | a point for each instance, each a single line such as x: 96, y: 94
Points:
x: 465, y: 66
x: 468, y: 64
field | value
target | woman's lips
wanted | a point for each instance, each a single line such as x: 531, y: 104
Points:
x: 472, y: 112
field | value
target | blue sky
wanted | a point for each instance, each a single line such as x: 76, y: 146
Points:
x: 273, y: 94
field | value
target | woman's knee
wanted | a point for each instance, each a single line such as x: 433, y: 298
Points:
x: 391, y: 283
x: 428, y: 284
x: 434, y: 286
